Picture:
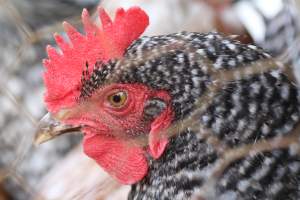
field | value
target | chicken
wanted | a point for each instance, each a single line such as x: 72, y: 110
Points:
x: 162, y: 113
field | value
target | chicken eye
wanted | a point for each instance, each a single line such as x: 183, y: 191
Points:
x: 118, y: 99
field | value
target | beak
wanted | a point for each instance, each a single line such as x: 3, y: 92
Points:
x: 49, y: 128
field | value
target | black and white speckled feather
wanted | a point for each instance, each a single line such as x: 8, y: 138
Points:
x: 246, y: 110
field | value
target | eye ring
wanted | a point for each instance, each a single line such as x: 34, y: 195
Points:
x: 117, y: 99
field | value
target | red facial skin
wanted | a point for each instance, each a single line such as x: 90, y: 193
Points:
x: 108, y: 130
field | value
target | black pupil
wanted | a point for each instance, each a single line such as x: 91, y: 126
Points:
x: 117, y: 98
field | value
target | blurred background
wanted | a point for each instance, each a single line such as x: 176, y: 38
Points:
x: 58, y: 169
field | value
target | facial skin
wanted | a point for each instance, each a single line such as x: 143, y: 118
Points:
x: 112, y: 118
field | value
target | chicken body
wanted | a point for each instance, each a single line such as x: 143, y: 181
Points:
x: 244, y: 111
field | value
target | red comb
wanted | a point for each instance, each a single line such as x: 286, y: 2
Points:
x: 63, y: 70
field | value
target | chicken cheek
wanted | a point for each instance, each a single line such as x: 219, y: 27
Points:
x: 125, y: 163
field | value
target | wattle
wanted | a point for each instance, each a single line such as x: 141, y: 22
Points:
x: 126, y: 163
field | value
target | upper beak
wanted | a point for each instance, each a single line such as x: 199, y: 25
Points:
x: 49, y: 128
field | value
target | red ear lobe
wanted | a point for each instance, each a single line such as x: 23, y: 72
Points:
x: 157, y: 147
x: 158, y: 141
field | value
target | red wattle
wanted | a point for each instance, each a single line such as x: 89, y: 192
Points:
x: 126, y: 163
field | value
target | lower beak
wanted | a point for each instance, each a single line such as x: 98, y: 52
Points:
x: 49, y: 128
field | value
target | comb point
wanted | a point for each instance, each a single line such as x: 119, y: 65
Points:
x: 63, y: 45
x: 104, y: 18
x: 74, y: 36
x: 89, y: 27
